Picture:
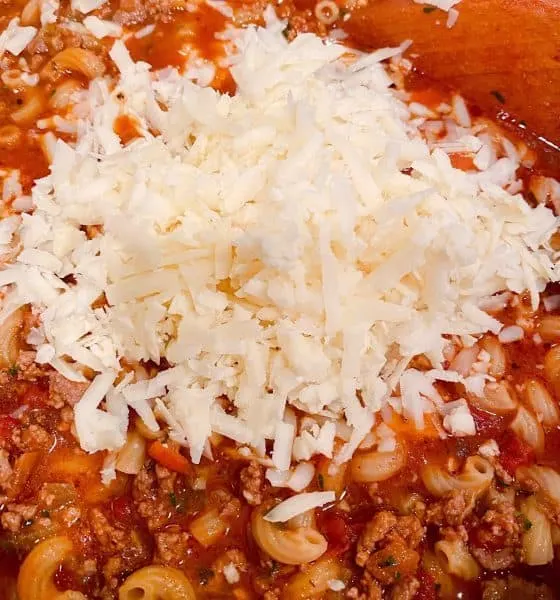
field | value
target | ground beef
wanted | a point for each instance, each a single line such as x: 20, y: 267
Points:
x: 374, y: 532
x: 5, y: 469
x: 452, y: 509
x: 405, y: 589
x: 27, y: 368
x: 32, y: 438
x: 110, y: 538
x: 371, y: 589
x: 252, y: 483
x: 151, y: 496
x: 387, y: 548
x: 62, y: 391
x: 171, y: 546
x: 125, y: 550
x: 515, y: 588
x: 495, y: 560
x: 497, y: 534
x: 15, y: 515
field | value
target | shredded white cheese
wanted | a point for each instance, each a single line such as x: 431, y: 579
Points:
x: 231, y: 573
x: 49, y: 10
x: 510, y: 334
x: 101, y: 28
x: 272, y: 248
x: 297, y: 505
x: 87, y: 6
x: 14, y: 39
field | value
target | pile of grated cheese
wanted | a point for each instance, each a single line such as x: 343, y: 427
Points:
x: 292, y: 246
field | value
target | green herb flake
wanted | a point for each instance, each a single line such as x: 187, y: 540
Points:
x: 176, y: 503
x: 499, y: 96
x: 398, y: 576
x: 321, y: 481
x: 204, y: 575
x: 429, y: 9
x: 390, y: 561
x: 13, y: 371
x: 527, y: 524
x: 53, y: 92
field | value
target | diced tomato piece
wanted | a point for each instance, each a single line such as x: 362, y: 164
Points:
x: 169, y: 458
x: 7, y: 425
x: 35, y: 395
x: 487, y: 424
x: 427, y: 589
x: 514, y: 453
x: 334, y: 526
x: 122, y: 509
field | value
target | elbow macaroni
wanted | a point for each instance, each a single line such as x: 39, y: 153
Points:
x: 476, y: 476
x: 526, y: 427
x: 291, y: 545
x: 378, y: 466
x: 314, y: 581
x: 457, y: 558
x: 541, y: 402
x: 157, y: 583
x: 79, y: 60
x: 10, y: 330
x: 498, y: 399
x: 546, y: 478
x: 35, y: 579
x: 537, y: 539
x: 132, y: 455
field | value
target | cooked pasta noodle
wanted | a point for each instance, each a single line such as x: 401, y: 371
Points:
x: 314, y: 581
x: 526, y: 426
x: 498, y: 362
x: 537, y: 537
x: 33, y: 105
x: 378, y: 466
x: 458, y: 559
x: 31, y: 13
x: 546, y: 478
x: 10, y: 334
x: 295, y: 546
x: 132, y: 455
x: 552, y: 367
x: 541, y: 402
x: 157, y: 583
x: 79, y: 60
x: 498, y: 398
x: 549, y: 329
x: 35, y: 579
x: 436, y: 567
x: 64, y: 93
x: 327, y: 12
x: 476, y: 476
x: 11, y: 78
